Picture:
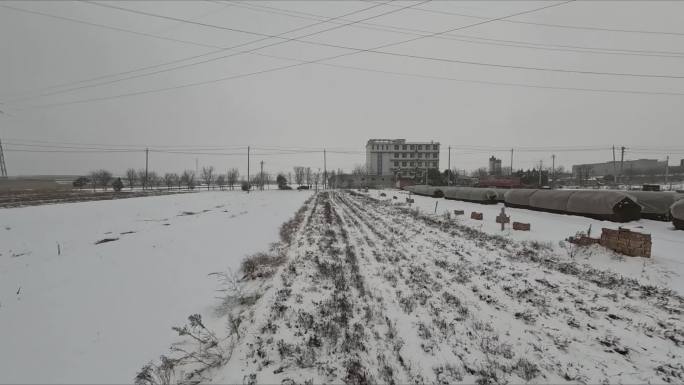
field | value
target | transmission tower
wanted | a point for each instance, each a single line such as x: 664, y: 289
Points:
x: 3, y: 167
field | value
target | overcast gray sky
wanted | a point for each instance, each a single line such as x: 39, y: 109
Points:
x: 626, y: 45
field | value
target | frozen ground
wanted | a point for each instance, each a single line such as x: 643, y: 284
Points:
x: 359, y: 289
x: 373, y: 292
x: 97, y: 313
x: 665, y: 268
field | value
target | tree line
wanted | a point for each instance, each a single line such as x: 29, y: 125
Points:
x: 152, y: 180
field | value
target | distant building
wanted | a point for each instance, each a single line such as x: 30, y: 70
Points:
x: 494, y: 166
x: 399, y: 158
x: 639, y: 166
x: 681, y: 163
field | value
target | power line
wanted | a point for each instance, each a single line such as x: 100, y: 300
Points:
x: 357, y: 50
x: 474, y: 148
x: 470, y: 38
x: 563, y: 26
x: 375, y: 50
x: 301, y: 63
x: 416, y: 75
x: 286, y: 40
x: 485, y: 82
x: 221, y: 49
x: 377, y: 26
x: 107, y: 27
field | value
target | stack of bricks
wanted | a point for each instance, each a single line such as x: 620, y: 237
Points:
x: 627, y: 242
x: 475, y: 215
x: 521, y: 226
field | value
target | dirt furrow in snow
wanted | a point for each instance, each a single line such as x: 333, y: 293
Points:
x: 372, y: 292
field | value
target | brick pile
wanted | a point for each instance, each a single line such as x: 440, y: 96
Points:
x: 626, y: 242
x: 521, y: 226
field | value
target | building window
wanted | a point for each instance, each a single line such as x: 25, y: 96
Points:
x: 403, y: 164
x: 412, y: 164
x: 435, y: 155
x: 420, y: 155
x: 435, y: 164
x: 396, y: 147
x: 420, y: 164
x: 413, y: 147
x: 403, y: 155
x: 403, y: 147
x: 411, y: 155
x: 396, y: 164
x: 420, y: 146
x: 435, y: 147
x: 396, y: 154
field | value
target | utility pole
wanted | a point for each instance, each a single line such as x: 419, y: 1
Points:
x: 147, y: 156
x: 622, y: 161
x: 449, y: 169
x: 614, y: 167
x: 248, y: 182
x: 426, y: 169
x: 261, y: 177
x: 325, y: 170
x: 511, y: 162
x: 667, y: 169
x: 540, y: 172
x: 3, y: 167
x: 553, y: 169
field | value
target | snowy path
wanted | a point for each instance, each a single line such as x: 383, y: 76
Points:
x: 97, y: 313
x: 374, y: 293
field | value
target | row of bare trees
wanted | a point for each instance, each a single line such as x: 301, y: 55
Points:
x: 304, y: 176
x: 208, y: 177
x: 188, y: 179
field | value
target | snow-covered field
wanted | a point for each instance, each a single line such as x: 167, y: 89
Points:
x: 665, y: 268
x: 359, y: 289
x: 373, y: 292
x: 97, y: 313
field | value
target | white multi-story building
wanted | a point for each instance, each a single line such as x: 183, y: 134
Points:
x: 400, y: 158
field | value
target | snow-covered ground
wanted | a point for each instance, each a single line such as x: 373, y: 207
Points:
x: 371, y: 292
x: 665, y: 267
x: 97, y: 313
x: 359, y: 289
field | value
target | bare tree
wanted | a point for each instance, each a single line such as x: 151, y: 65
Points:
x: 143, y: 178
x: 307, y: 176
x: 131, y: 177
x: 316, y: 178
x: 188, y: 179
x: 299, y: 173
x: 359, y: 170
x: 153, y: 180
x: 170, y: 179
x: 232, y: 177
x: 101, y: 177
x: 480, y: 172
x: 221, y: 181
x: 332, y: 179
x: 208, y: 175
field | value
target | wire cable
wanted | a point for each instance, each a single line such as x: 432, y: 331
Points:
x: 236, y: 53
x: 221, y: 49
